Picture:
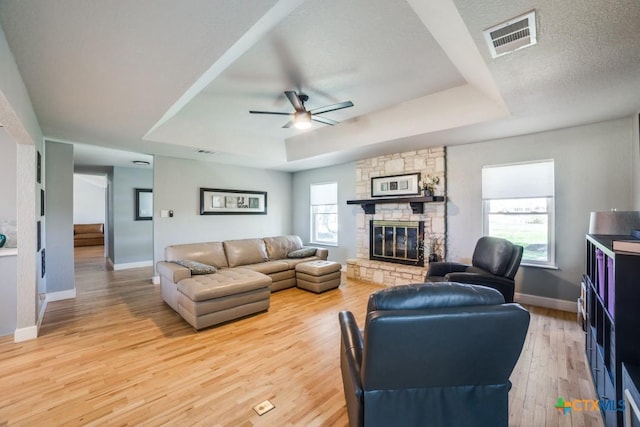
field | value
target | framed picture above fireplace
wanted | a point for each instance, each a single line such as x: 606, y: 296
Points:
x: 395, y: 185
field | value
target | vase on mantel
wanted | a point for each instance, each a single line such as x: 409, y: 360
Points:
x: 428, y: 192
x: 433, y: 257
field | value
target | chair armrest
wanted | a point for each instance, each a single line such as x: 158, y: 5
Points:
x: 502, y: 284
x: 351, y: 348
x: 441, y: 269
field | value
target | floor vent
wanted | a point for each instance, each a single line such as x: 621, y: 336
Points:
x: 515, y: 34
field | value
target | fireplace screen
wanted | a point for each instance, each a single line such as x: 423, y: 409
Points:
x: 396, y: 241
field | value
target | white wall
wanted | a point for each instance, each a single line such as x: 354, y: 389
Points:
x: 345, y: 176
x: 176, y: 186
x: 19, y: 120
x: 593, y: 172
x: 89, y: 199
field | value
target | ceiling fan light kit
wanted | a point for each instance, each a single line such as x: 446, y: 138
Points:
x: 301, y: 118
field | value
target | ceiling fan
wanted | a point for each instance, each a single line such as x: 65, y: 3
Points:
x: 301, y: 118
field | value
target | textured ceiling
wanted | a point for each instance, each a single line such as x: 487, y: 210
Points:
x: 170, y: 78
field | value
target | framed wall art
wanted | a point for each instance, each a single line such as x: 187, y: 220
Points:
x: 395, y: 185
x: 217, y: 201
x: 39, y: 168
x: 144, y: 204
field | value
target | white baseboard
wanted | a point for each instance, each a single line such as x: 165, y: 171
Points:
x: 155, y: 280
x: 556, y: 304
x: 25, y: 334
x: 128, y: 265
x: 61, y: 295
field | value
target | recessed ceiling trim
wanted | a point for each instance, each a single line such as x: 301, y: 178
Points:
x: 263, y: 26
x: 514, y: 34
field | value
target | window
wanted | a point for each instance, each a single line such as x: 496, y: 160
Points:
x: 324, y: 213
x: 518, y: 205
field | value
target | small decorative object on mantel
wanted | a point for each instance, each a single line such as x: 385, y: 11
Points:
x: 428, y: 185
x: 434, y: 248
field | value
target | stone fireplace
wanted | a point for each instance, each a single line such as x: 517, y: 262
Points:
x: 396, y: 241
x: 389, y: 271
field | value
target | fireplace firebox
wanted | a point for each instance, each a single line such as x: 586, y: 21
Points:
x: 397, y: 241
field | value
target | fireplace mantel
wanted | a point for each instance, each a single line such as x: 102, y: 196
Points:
x: 416, y: 203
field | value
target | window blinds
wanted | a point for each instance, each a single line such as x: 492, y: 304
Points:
x: 520, y: 180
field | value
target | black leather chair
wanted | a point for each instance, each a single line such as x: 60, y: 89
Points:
x: 431, y: 354
x: 494, y: 264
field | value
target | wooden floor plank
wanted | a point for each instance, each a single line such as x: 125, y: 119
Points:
x: 116, y: 354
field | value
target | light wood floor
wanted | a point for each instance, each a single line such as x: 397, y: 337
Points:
x: 117, y: 355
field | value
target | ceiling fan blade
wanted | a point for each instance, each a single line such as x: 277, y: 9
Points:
x: 269, y: 112
x: 294, y: 99
x: 324, y: 120
x: 332, y: 107
x: 289, y: 124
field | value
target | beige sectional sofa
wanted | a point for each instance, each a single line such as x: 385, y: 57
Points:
x: 247, y: 271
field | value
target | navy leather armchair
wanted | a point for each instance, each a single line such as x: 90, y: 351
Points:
x: 432, y: 354
x: 495, y: 263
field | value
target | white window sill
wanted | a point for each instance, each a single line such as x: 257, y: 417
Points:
x: 332, y: 245
x: 543, y: 266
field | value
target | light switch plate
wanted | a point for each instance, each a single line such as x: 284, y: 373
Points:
x: 263, y: 407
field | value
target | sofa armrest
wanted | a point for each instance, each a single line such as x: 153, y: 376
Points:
x: 322, y: 253
x: 441, y: 269
x: 172, y: 271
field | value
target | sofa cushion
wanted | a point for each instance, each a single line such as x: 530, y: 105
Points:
x: 245, y: 251
x: 279, y: 247
x: 223, y: 283
x: 196, y: 267
x: 268, y: 267
x: 211, y: 253
x: 302, y: 253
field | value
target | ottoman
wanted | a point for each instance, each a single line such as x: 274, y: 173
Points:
x: 228, y: 294
x: 318, y: 276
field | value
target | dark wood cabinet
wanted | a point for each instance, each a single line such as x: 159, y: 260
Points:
x: 612, y: 291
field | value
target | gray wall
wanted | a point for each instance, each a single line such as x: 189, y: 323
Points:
x: 8, y: 294
x: 109, y: 233
x: 345, y: 176
x: 132, y: 240
x: 593, y: 172
x: 176, y: 186
x: 59, y: 215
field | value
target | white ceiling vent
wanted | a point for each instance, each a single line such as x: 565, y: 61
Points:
x: 516, y: 33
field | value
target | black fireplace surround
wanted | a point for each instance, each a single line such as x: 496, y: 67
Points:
x: 397, y: 241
